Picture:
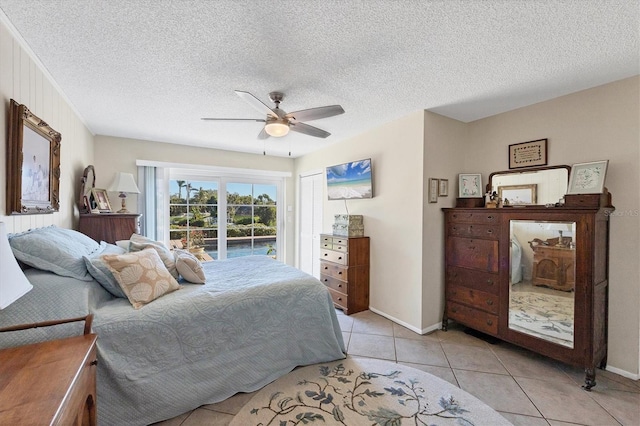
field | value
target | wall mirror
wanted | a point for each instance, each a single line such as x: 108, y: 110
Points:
x: 86, y: 202
x: 546, y: 184
x: 542, y: 279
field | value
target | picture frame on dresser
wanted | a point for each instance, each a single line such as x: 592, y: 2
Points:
x: 33, y: 163
x: 102, y: 200
x: 587, y: 178
x: 470, y: 185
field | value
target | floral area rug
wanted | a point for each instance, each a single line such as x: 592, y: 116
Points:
x: 364, y: 392
x: 544, y: 315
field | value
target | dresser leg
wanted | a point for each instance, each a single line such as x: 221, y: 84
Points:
x: 590, y: 378
x: 445, y: 322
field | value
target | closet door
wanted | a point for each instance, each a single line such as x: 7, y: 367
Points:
x: 310, y: 222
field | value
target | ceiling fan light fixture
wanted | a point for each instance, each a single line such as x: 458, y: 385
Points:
x: 276, y: 128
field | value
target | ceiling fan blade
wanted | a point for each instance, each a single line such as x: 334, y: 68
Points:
x: 233, y: 119
x: 316, y: 113
x: 308, y: 130
x: 263, y: 134
x: 256, y: 103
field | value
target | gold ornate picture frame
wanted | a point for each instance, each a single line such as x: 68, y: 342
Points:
x: 33, y: 163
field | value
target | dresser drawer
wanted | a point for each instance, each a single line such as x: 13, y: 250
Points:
x: 334, y: 270
x: 476, y: 216
x: 474, y: 318
x: 472, y: 278
x: 473, y: 253
x: 475, y: 298
x: 461, y: 229
x: 334, y: 256
x: 339, y: 299
x: 334, y: 283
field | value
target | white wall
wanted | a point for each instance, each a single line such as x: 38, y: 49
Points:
x: 23, y: 80
x: 596, y: 124
x: 119, y: 155
x: 392, y: 218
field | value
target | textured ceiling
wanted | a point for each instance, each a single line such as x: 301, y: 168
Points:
x: 151, y: 69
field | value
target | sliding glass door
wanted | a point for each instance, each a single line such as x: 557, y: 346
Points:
x: 225, y: 217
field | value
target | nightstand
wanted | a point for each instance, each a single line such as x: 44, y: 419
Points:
x: 51, y: 383
x: 109, y: 227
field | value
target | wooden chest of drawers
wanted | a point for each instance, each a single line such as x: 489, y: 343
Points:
x: 109, y: 227
x: 344, y: 269
x: 472, y: 278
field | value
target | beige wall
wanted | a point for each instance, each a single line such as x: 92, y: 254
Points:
x: 22, y: 79
x: 119, y: 155
x: 444, y: 140
x: 595, y: 124
x: 392, y: 218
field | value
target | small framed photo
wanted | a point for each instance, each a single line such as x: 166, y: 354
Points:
x: 443, y: 190
x: 528, y: 154
x: 470, y: 185
x: 518, y: 195
x: 433, y: 190
x: 101, y: 199
x: 587, y: 178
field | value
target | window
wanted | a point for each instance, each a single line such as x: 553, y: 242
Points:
x: 193, y: 215
x: 226, y: 216
x: 251, y: 219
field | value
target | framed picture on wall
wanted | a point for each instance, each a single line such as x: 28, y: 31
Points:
x: 33, y: 163
x: 433, y: 190
x: 443, y: 190
x: 528, y: 154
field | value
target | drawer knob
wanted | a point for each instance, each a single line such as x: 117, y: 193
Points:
x: 489, y: 231
x: 340, y: 273
x: 489, y: 302
x: 326, y: 267
x: 489, y: 322
x: 94, y: 362
x: 490, y: 281
x: 489, y: 217
x: 340, y: 258
x: 339, y: 285
x: 340, y: 299
x: 326, y: 280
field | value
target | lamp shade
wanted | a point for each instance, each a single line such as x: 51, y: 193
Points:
x: 13, y: 283
x: 123, y: 182
x: 277, y: 128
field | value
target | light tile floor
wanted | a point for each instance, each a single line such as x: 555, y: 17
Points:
x: 526, y: 388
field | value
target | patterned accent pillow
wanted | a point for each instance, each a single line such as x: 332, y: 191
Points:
x: 100, y: 271
x: 189, y: 267
x: 54, y: 249
x: 141, y: 275
x: 139, y: 242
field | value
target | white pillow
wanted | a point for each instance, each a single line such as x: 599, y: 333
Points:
x: 140, y: 242
x: 141, y: 275
x: 189, y: 267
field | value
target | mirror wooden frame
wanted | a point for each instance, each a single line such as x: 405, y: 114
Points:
x: 30, y: 137
x: 87, y: 183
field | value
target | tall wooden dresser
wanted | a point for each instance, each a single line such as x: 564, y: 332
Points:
x: 481, y: 294
x: 344, y: 269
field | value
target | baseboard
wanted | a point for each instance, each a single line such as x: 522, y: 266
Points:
x: 427, y: 330
x: 622, y: 373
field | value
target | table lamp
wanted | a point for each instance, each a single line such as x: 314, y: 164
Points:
x: 13, y: 283
x: 124, y: 184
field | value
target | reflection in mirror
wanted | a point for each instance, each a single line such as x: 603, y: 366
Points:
x: 542, y: 279
x: 550, y: 182
x: 87, y: 182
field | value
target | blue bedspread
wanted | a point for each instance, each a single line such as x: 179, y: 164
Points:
x: 253, y: 321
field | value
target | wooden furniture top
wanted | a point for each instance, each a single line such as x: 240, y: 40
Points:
x: 35, y: 380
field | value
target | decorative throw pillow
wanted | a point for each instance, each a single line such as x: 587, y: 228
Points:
x: 101, y: 272
x: 54, y: 249
x: 140, y: 242
x: 141, y: 275
x: 189, y: 267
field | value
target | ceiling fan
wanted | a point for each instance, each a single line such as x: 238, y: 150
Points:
x: 278, y: 122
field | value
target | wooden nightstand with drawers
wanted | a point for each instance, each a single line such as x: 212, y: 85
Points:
x: 344, y: 269
x: 52, y: 382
